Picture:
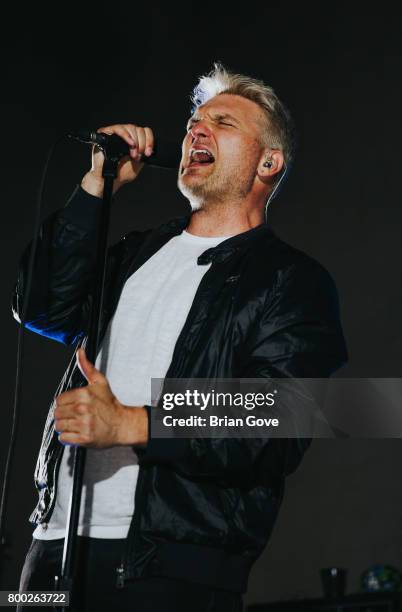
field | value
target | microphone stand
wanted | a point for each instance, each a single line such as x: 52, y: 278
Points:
x: 112, y: 151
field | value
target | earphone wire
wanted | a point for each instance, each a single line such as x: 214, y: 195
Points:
x: 275, y: 190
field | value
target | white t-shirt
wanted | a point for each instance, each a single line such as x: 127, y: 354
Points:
x: 138, y: 346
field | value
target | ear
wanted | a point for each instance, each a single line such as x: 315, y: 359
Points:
x: 275, y: 157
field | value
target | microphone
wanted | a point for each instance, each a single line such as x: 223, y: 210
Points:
x: 167, y: 154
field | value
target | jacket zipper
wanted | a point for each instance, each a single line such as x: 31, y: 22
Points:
x: 133, y: 532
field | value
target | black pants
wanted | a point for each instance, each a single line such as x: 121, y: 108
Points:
x: 95, y: 584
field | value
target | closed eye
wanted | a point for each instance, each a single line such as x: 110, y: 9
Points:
x: 192, y: 122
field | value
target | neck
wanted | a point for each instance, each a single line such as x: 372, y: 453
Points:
x: 225, y: 218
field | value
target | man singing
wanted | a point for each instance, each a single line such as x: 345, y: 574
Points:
x: 173, y: 524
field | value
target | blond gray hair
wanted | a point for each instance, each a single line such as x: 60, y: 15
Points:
x: 279, y: 133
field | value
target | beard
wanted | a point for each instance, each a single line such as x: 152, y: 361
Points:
x: 222, y: 185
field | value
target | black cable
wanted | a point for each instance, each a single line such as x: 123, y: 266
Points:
x: 20, y: 349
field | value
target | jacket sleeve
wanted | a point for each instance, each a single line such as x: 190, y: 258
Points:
x: 298, y: 335
x: 60, y: 297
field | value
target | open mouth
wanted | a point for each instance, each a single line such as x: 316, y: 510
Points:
x: 200, y: 157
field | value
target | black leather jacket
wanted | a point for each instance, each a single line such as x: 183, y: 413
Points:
x: 204, y: 508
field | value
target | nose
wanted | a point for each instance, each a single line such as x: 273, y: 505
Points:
x: 200, y: 129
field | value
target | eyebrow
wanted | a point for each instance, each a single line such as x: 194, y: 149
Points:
x: 215, y: 117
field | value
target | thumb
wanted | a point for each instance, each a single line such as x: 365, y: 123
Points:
x: 88, y: 369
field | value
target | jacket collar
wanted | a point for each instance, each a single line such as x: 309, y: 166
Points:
x: 224, y: 249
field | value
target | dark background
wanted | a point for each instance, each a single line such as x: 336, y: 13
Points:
x: 337, y: 66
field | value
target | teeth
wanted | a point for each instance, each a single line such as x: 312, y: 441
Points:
x: 192, y: 151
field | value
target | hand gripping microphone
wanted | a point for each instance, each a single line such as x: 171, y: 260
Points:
x: 166, y: 154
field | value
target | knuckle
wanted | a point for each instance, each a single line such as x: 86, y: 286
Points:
x: 81, y: 408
